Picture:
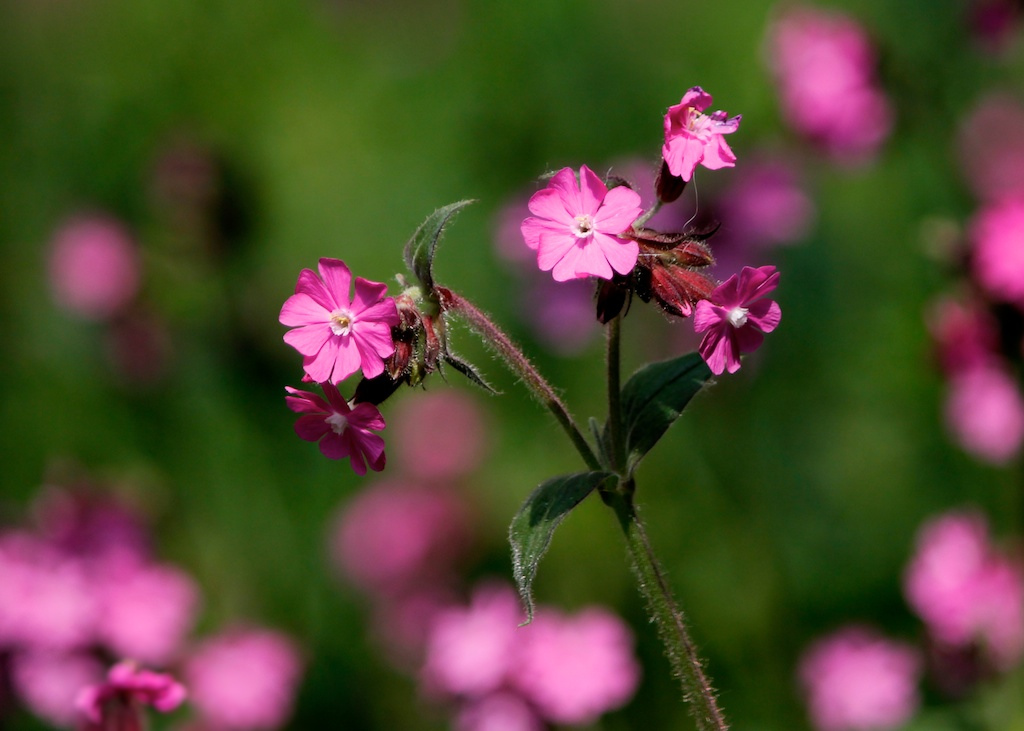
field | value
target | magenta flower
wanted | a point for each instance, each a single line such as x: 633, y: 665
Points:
x: 576, y: 227
x: 342, y: 431
x: 985, y: 412
x: 48, y: 682
x: 125, y: 687
x: 693, y: 138
x: 336, y: 334
x: 856, y: 680
x: 736, y: 317
x: 997, y: 238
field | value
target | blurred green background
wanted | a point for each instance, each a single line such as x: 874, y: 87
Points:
x: 784, y: 503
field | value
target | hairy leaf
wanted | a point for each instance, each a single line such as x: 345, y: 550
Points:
x: 420, y: 249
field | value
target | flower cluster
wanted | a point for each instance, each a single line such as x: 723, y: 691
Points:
x: 84, y: 586
x: 970, y: 596
x: 585, y: 227
x: 404, y: 543
x: 824, y: 65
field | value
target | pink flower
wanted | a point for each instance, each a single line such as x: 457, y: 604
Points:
x: 336, y: 334
x: 94, y: 267
x: 824, y: 64
x: 471, y: 650
x: 127, y: 685
x: 575, y: 668
x: 736, y: 317
x: 244, y: 679
x: 991, y: 147
x: 693, y: 138
x: 985, y: 413
x: 964, y: 590
x: 856, y: 680
x: 441, y: 436
x: 576, y: 227
x: 49, y: 682
x: 997, y: 238
x: 765, y: 206
x: 500, y: 711
x: 342, y: 431
x: 146, y: 611
x: 394, y: 537
x: 965, y: 335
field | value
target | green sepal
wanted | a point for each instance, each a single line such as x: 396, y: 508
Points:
x: 420, y: 249
x: 653, y: 399
x: 469, y: 371
x: 533, y: 526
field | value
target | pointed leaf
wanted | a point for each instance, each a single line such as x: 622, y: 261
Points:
x: 653, y: 399
x: 420, y: 249
x: 470, y: 372
x: 535, y: 523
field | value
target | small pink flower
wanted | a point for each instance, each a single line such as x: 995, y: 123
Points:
x: 471, y: 650
x: 342, y: 431
x: 500, y: 711
x: 693, y: 138
x: 394, y: 537
x: 94, y: 267
x: 127, y: 685
x: 575, y: 668
x: 856, y: 680
x: 997, y: 238
x: 964, y: 590
x: 441, y: 436
x: 736, y: 317
x: 244, y: 679
x: 576, y: 227
x: 337, y: 334
x: 48, y: 683
x: 991, y: 147
x: 985, y: 412
x: 964, y: 334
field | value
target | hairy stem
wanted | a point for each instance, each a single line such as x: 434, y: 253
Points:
x: 663, y: 608
x: 519, y: 364
x: 616, y: 446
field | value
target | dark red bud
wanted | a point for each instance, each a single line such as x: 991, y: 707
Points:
x: 669, y: 186
x: 693, y: 253
x: 611, y: 298
x: 677, y: 289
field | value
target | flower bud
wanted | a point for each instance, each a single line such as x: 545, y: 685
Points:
x: 668, y: 186
x: 612, y: 295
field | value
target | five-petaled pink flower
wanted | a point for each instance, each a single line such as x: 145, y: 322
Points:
x: 342, y: 431
x: 336, y: 334
x: 576, y: 227
x: 736, y: 317
x: 127, y: 686
x: 693, y: 138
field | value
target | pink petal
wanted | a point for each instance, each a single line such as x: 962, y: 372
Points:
x: 694, y: 97
x: 348, y: 359
x: 620, y: 253
x: 748, y: 339
x: 337, y: 279
x: 385, y: 313
x: 553, y: 248
x: 310, y: 284
x: 707, y: 315
x: 682, y: 154
x: 718, y: 350
x: 564, y: 182
x: 718, y: 154
x: 335, y: 446
x: 369, y: 294
x: 311, y: 427
x: 308, y: 339
x: 302, y: 309
x: 765, y: 314
x: 621, y: 208
x: 376, y: 339
x: 320, y: 367
x: 303, y: 402
x: 366, y: 416
x: 336, y: 400
x: 592, y: 192
x: 548, y: 204
x: 533, y: 228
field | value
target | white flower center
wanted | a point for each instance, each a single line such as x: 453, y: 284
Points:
x: 338, y: 422
x: 698, y: 123
x: 583, y: 226
x: 340, y: 322
x: 738, y: 316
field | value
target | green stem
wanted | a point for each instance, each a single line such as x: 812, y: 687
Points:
x: 661, y: 605
x: 616, y: 446
x: 519, y: 364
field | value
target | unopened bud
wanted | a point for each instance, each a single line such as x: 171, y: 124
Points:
x: 669, y: 186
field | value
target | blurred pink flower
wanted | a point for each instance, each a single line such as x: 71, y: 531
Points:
x: 244, y: 679
x: 857, y: 680
x: 575, y: 227
x: 736, y: 318
x: 342, y: 431
x: 393, y: 537
x: 338, y: 334
x: 471, y: 650
x: 997, y: 253
x: 766, y: 205
x: 965, y: 591
x: 824, y: 66
x: 94, y: 267
x: 125, y: 688
x: 985, y: 413
x: 576, y: 668
x: 440, y: 436
x: 965, y: 335
x: 146, y: 611
x: 499, y: 711
x: 48, y: 683
x: 991, y: 147
x: 693, y: 138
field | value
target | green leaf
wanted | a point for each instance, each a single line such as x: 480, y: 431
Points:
x: 420, y: 249
x: 469, y: 371
x: 535, y: 523
x: 653, y: 399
